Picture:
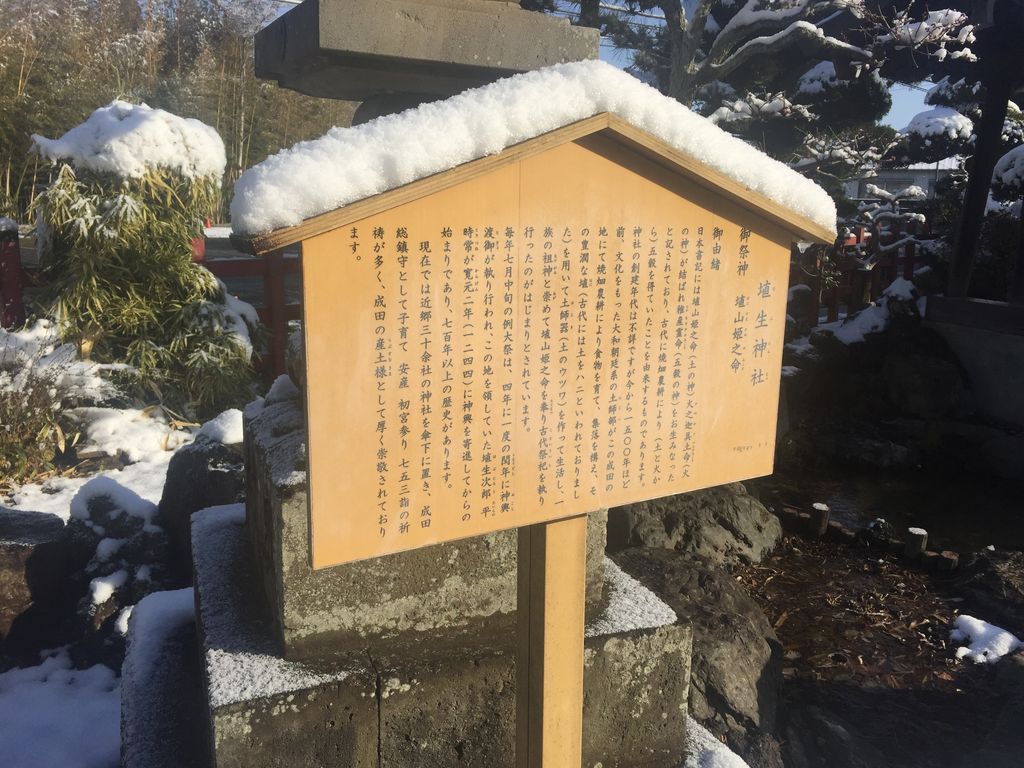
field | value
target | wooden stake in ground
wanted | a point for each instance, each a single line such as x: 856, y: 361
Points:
x: 552, y: 564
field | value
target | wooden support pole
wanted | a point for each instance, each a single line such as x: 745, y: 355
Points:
x: 552, y: 565
x: 915, y: 542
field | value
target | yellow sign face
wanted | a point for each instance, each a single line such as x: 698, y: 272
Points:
x: 574, y: 330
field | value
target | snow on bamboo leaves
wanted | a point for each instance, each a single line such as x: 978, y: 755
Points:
x: 128, y: 193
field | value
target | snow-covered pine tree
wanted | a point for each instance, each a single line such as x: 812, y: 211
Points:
x: 129, y: 191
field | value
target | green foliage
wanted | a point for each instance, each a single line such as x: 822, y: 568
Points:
x: 121, y: 281
x: 30, y: 434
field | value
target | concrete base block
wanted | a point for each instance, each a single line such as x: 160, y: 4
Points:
x: 425, y: 704
x: 457, y: 588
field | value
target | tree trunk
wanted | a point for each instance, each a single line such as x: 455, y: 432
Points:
x: 986, y: 152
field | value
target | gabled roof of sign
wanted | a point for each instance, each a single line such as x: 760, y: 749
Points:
x: 319, y: 185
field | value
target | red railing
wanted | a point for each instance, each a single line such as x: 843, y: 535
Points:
x: 275, y: 312
x: 856, y: 285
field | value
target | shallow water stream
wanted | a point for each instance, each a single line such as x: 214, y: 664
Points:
x: 963, y: 513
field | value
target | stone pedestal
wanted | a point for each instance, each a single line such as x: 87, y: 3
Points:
x: 422, y: 704
x: 355, y: 49
x: 448, y: 592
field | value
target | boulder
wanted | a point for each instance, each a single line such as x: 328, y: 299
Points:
x: 33, y: 566
x: 1003, y: 456
x: 736, y: 666
x: 923, y: 385
x: 724, y: 524
x: 202, y: 474
x: 992, y: 584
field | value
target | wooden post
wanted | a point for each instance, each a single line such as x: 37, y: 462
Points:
x: 549, y: 649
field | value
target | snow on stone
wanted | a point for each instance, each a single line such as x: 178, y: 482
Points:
x: 350, y: 164
x: 130, y: 140
x: 129, y: 432
x: 940, y: 121
x: 144, y: 480
x: 54, y: 715
x: 241, y: 662
x: 122, y: 498
x: 820, y: 506
x: 917, y: 531
x: 985, y: 643
x: 152, y: 620
x: 1009, y: 170
x: 872, y: 319
x: 283, y: 388
x: 703, y: 750
x: 819, y: 77
x: 630, y: 605
x: 108, y: 547
x: 224, y: 428
x: 102, y: 588
x: 8, y: 225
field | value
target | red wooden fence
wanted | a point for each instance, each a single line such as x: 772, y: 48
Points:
x: 856, y: 284
x: 275, y: 313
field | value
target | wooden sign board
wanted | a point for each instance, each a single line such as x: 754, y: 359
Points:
x: 574, y: 324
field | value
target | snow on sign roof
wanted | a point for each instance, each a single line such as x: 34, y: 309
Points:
x: 350, y: 164
x: 128, y: 140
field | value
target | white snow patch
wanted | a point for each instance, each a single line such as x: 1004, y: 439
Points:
x: 873, y: 318
x: 789, y: 371
x: 283, y: 388
x: 351, y: 164
x: 107, y: 548
x: 917, y: 531
x: 129, y: 140
x: 8, y: 225
x: 102, y: 588
x: 819, y: 77
x: 703, y: 750
x: 820, y: 506
x: 55, y: 715
x: 940, y: 121
x: 986, y: 643
x: 121, y: 497
x: 1009, y: 169
x: 240, y: 317
x: 135, y: 434
x: 121, y: 625
x: 36, y: 351
x: 224, y: 428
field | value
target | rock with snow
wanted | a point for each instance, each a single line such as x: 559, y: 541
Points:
x: 981, y: 642
x: 33, y: 566
x: 207, y: 473
x: 992, y: 585
x: 354, y: 163
x: 724, y: 524
x: 163, y: 719
x: 224, y: 428
x: 131, y: 140
x: 8, y: 226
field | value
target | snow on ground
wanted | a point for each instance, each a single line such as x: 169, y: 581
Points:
x: 350, y: 164
x: 55, y: 715
x: 985, y: 643
x: 703, y: 750
x: 129, y: 140
x: 36, y: 351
